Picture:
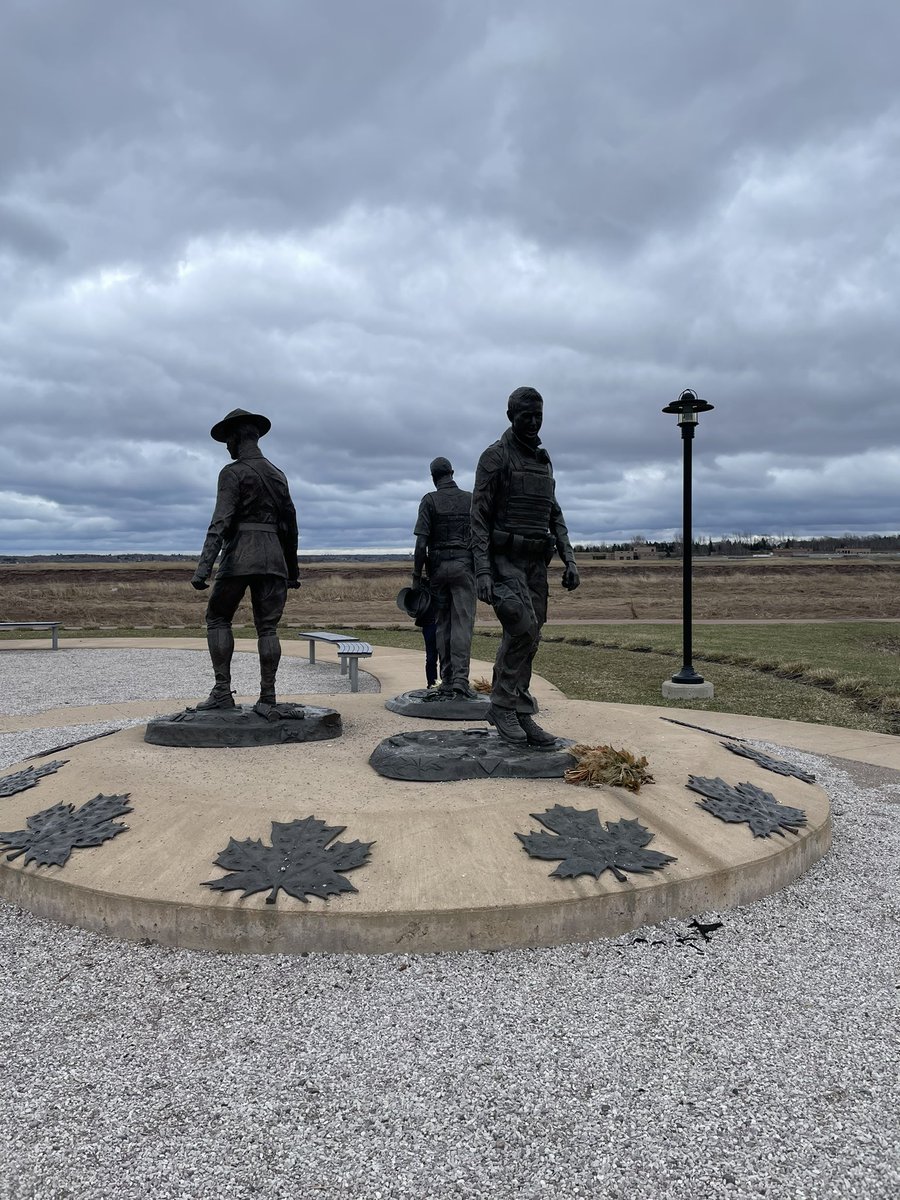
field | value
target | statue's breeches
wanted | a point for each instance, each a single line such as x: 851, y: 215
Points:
x: 268, y: 594
x: 452, y: 584
x: 520, y: 602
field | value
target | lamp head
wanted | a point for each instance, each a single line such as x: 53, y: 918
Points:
x: 687, y: 407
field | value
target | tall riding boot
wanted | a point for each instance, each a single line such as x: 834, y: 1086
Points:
x: 269, y: 657
x: 221, y: 651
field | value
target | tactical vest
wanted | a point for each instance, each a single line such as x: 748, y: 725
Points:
x: 450, y: 523
x: 526, y: 501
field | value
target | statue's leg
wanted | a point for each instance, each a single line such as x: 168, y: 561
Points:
x: 462, y: 621
x: 223, y: 602
x: 429, y: 633
x: 268, y: 594
x: 536, y: 576
x: 536, y: 581
x: 437, y: 583
x: 512, y: 604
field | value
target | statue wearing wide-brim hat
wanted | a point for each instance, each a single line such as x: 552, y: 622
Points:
x: 255, y: 526
x: 223, y: 430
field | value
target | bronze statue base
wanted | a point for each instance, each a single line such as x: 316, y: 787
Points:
x: 435, y: 755
x: 430, y: 705
x: 243, y: 726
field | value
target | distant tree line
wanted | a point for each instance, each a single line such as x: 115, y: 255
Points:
x: 746, y: 543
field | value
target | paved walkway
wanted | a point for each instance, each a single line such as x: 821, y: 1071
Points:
x: 399, y: 669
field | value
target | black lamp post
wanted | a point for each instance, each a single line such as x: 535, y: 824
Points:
x: 687, y: 407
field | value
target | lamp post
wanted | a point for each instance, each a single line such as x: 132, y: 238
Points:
x: 687, y: 682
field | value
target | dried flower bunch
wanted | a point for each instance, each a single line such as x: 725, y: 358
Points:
x: 604, y: 765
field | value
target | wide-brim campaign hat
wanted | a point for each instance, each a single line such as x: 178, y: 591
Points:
x: 414, y: 601
x: 222, y: 430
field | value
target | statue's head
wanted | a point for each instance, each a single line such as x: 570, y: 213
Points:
x: 241, y: 435
x: 441, y: 469
x: 525, y: 410
x: 240, y: 427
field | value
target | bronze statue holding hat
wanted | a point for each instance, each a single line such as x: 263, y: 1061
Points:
x: 255, y: 526
x: 443, y: 554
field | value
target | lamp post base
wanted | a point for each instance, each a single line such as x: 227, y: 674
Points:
x: 687, y: 691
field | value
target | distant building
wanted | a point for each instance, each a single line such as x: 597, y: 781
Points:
x: 852, y: 551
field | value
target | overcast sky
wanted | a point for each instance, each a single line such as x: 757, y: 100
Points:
x: 372, y: 219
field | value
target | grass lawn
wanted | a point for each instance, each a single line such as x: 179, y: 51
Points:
x: 845, y: 674
x: 837, y: 674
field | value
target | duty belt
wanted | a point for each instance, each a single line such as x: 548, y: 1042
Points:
x: 516, y: 544
x: 450, y: 552
x: 256, y: 527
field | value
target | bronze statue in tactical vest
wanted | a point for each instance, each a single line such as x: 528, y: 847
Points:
x: 255, y: 526
x: 444, y: 553
x: 517, y: 526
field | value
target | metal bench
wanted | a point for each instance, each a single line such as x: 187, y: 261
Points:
x: 348, y: 652
x: 53, y: 626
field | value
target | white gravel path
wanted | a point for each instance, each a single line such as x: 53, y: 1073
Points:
x: 761, y: 1063
x: 69, y: 677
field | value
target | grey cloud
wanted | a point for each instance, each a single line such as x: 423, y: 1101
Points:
x: 371, y: 222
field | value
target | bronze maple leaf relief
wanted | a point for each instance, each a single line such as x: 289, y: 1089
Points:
x: 299, y: 862
x: 746, y: 802
x: 586, y: 847
x: 779, y: 765
x: 21, y: 781
x: 50, y: 836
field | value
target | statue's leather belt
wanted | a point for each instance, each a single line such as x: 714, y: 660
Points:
x: 256, y: 527
x: 515, y: 543
x: 449, y: 552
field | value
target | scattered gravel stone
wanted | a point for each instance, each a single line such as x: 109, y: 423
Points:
x: 759, y: 1062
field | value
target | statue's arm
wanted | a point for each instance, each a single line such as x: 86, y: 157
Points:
x: 290, y: 538
x: 422, y: 532
x: 484, y: 494
x: 560, y: 533
x: 222, y: 519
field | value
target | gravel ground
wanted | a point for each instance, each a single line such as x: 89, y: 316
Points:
x: 762, y: 1062
x: 73, y: 677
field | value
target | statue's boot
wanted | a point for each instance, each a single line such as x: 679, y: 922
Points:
x: 221, y: 651
x: 269, y: 648
x: 463, y: 690
x: 536, y: 736
x: 509, y: 729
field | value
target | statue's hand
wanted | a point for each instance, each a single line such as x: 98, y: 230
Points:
x: 571, y: 578
x: 293, y: 583
x: 199, y: 583
x: 416, y: 581
x: 484, y: 587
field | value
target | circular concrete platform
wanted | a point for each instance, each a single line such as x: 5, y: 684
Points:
x: 446, y: 871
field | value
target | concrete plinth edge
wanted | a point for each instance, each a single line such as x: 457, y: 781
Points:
x: 269, y: 931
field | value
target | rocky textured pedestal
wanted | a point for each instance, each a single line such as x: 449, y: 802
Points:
x: 241, y: 726
x: 435, y: 755
x: 428, y: 704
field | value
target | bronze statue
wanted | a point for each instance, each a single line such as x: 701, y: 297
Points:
x: 517, y: 526
x: 444, y: 553
x: 255, y: 524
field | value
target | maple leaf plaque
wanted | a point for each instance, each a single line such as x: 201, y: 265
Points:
x: 586, y: 847
x: 779, y: 765
x: 299, y: 861
x: 749, y: 803
x: 21, y: 781
x: 52, y: 835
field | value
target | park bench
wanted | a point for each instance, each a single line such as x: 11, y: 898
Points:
x: 348, y: 652
x: 53, y: 626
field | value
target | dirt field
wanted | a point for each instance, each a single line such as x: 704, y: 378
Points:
x: 352, y: 594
